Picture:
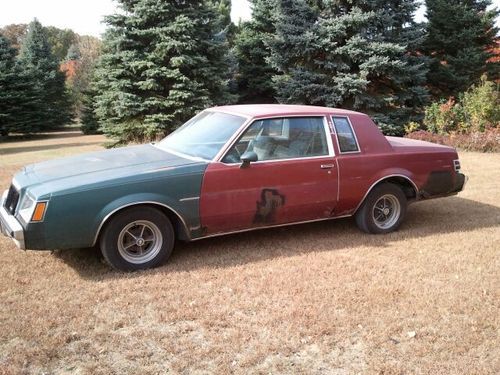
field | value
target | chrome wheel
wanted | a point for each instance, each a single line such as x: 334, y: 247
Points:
x: 386, y: 211
x: 139, y: 242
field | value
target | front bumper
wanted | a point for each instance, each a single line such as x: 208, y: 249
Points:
x: 10, y: 226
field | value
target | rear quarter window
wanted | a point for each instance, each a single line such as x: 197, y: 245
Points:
x: 345, y: 134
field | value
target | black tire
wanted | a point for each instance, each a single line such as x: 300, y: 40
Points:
x: 146, y: 235
x: 388, y: 196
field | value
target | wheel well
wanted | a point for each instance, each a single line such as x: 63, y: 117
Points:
x: 179, y: 228
x: 405, y: 184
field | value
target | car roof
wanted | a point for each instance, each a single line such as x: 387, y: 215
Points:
x: 269, y: 110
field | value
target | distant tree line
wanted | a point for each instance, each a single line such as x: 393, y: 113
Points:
x: 44, y: 73
x: 32, y: 89
x: 162, y: 61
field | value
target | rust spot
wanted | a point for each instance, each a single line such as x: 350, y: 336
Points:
x: 270, y: 201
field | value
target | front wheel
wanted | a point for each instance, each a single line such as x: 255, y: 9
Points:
x: 137, y: 238
x: 383, y: 209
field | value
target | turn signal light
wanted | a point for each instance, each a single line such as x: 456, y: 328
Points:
x: 39, y: 211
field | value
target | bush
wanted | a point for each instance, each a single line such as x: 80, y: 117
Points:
x: 487, y: 141
x: 412, y: 127
x: 443, y: 118
x: 481, y: 106
x: 476, y: 110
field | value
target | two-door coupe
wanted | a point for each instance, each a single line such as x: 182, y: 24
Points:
x: 229, y: 169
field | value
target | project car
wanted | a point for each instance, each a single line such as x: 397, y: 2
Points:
x: 229, y: 169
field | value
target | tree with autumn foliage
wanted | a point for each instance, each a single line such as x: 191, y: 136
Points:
x: 79, y: 66
x: 15, y: 34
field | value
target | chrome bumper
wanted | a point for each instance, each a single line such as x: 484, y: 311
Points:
x: 9, y: 226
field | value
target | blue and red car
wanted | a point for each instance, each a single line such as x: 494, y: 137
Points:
x: 229, y: 169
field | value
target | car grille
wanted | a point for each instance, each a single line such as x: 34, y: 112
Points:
x: 12, y: 200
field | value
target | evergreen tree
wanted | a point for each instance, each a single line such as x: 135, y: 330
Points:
x: 460, y: 36
x: 88, y: 119
x: 51, y: 105
x: 225, y: 34
x: 254, y: 79
x: 16, y: 94
x: 162, y: 62
x: 351, y: 54
x: 226, y: 26
x: 10, y: 91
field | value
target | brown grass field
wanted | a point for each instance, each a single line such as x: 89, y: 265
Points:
x: 319, y: 298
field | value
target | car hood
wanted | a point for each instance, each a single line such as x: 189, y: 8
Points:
x: 97, y: 167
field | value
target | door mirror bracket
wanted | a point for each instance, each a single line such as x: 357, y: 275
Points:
x: 247, y: 158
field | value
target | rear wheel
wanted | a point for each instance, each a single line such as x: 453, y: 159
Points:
x: 383, y: 209
x: 137, y: 238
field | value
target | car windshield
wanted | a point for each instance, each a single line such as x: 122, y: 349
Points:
x: 204, y: 135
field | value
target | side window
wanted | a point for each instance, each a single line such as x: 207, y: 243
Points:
x: 345, y: 135
x: 281, y: 138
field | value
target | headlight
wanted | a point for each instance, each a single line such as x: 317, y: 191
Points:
x: 26, y: 208
x: 29, y: 211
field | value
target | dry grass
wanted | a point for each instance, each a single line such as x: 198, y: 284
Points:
x: 319, y: 298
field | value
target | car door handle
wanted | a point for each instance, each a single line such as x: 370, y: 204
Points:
x: 327, y: 166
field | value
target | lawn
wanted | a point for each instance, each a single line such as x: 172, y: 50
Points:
x: 318, y: 298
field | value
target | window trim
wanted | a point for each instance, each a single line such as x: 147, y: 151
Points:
x: 326, y: 127
x: 332, y: 118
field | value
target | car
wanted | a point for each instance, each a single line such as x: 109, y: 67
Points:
x: 229, y: 169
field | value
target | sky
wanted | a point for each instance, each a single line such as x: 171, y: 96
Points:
x: 85, y: 17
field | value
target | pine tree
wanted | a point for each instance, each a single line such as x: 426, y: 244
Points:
x: 460, y: 36
x: 16, y: 94
x: 51, y: 104
x: 255, y: 74
x: 352, y: 54
x: 162, y: 62
x: 226, y: 25
x: 9, y: 89
x: 88, y: 119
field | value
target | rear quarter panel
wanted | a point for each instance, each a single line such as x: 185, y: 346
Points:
x: 377, y: 159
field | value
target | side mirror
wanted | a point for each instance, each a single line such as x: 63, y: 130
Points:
x: 247, y: 158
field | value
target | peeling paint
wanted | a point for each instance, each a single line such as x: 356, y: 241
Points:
x: 270, y: 201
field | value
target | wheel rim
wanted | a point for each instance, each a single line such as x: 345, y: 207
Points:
x: 386, y: 211
x: 140, y: 241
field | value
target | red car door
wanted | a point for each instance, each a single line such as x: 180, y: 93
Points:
x: 294, y: 179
